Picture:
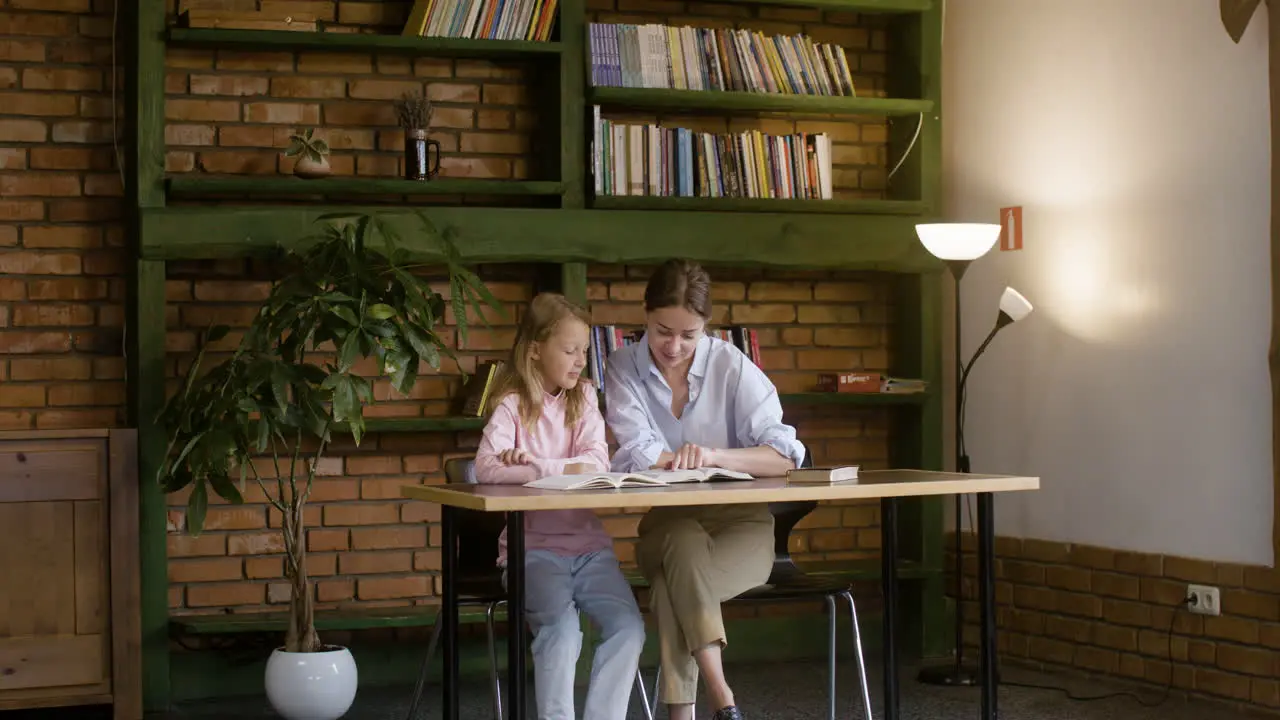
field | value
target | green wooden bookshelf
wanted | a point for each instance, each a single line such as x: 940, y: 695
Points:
x: 193, y: 185
x: 758, y: 205
x: 571, y: 231
x: 358, y: 42
x: 863, y: 399
x: 862, y: 6
x: 690, y: 101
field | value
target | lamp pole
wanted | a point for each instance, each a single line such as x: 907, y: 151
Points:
x: 956, y: 674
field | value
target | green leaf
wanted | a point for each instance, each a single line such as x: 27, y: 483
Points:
x: 197, y: 508
x: 226, y: 489
x: 345, y: 313
x: 381, y: 311
x: 280, y: 386
x: 344, y: 400
x: 350, y: 351
x: 216, y: 333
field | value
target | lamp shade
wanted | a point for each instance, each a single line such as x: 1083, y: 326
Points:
x: 1013, y: 304
x: 958, y: 241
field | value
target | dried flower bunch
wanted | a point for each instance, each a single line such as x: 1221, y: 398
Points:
x: 413, y: 111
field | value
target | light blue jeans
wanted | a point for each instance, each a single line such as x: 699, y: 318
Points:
x: 556, y: 588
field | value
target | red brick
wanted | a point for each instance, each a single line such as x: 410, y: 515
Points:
x: 239, y: 85
x: 380, y: 538
x: 61, y: 79
x: 308, y: 87
x: 393, y: 587
x: 375, y: 563
x: 23, y: 131
x: 50, y: 369
x: 40, y: 185
x: 362, y: 513
x: 29, y: 24
x: 225, y: 594
x: 176, y: 134
x: 52, y: 315
x: 190, y: 110
x: 27, y: 103
x: 371, y: 89
x: 205, y: 570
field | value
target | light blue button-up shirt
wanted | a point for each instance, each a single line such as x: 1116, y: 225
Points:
x: 732, y: 404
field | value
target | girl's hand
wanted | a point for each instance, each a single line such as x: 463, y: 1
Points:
x: 691, y: 456
x: 515, y: 456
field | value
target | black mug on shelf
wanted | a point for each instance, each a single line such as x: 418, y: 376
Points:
x: 417, y: 156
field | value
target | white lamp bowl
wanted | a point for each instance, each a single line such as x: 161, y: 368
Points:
x: 958, y: 241
x: 1014, y: 305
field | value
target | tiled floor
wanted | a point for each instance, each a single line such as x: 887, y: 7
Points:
x: 773, y: 692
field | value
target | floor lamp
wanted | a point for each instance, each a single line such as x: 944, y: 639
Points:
x: 957, y: 245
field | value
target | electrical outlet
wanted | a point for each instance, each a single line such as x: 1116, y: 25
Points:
x: 1203, y: 600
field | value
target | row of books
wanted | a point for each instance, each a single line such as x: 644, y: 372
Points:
x: 483, y: 19
x: 687, y: 58
x: 605, y: 339
x: 629, y: 159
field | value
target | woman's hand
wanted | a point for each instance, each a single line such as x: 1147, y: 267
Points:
x: 691, y: 456
x: 515, y: 456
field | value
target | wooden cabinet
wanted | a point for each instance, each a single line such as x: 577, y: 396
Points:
x: 69, y: 586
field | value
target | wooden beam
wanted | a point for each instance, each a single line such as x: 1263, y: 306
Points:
x: 264, y: 40
x: 739, y: 101
x: 192, y: 184
x: 862, y: 6
x: 870, y: 242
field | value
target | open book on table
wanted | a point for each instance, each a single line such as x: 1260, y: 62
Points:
x: 644, y: 478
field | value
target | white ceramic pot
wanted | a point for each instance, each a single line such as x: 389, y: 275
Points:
x: 310, y: 169
x: 311, y: 686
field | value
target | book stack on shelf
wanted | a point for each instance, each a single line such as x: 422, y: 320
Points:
x: 529, y: 20
x: 652, y: 160
x: 607, y: 338
x: 687, y: 58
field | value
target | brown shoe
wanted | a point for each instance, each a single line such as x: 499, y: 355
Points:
x: 728, y: 713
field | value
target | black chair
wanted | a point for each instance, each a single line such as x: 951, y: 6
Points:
x: 480, y: 583
x: 787, y: 582
x: 479, y: 578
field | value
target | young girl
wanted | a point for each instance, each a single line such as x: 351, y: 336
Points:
x: 546, y: 417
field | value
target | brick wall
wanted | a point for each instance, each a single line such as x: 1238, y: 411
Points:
x: 62, y: 269
x: 1120, y: 614
x: 61, y: 256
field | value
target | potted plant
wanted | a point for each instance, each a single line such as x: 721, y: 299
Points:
x: 287, y: 386
x: 312, y: 153
x: 413, y: 112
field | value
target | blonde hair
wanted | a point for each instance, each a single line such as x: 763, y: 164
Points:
x: 520, y: 375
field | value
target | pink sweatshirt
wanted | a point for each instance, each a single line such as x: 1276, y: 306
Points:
x: 564, y: 532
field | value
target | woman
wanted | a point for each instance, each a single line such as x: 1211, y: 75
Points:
x: 682, y: 399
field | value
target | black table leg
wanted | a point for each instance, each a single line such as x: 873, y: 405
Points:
x: 987, y: 599
x: 515, y: 617
x: 889, y: 583
x: 449, y: 629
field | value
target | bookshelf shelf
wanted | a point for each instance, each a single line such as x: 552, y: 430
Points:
x: 727, y: 100
x: 287, y: 185
x: 864, y: 6
x: 362, y: 42
x: 835, y: 398
x: 761, y: 205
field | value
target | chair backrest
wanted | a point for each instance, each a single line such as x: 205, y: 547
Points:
x: 478, y: 532
x: 785, y: 517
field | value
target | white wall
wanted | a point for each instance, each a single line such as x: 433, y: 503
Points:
x: 1134, y: 133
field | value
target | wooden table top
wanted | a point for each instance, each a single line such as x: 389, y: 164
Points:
x: 870, y: 484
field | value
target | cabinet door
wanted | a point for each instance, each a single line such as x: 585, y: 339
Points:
x: 54, y: 593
